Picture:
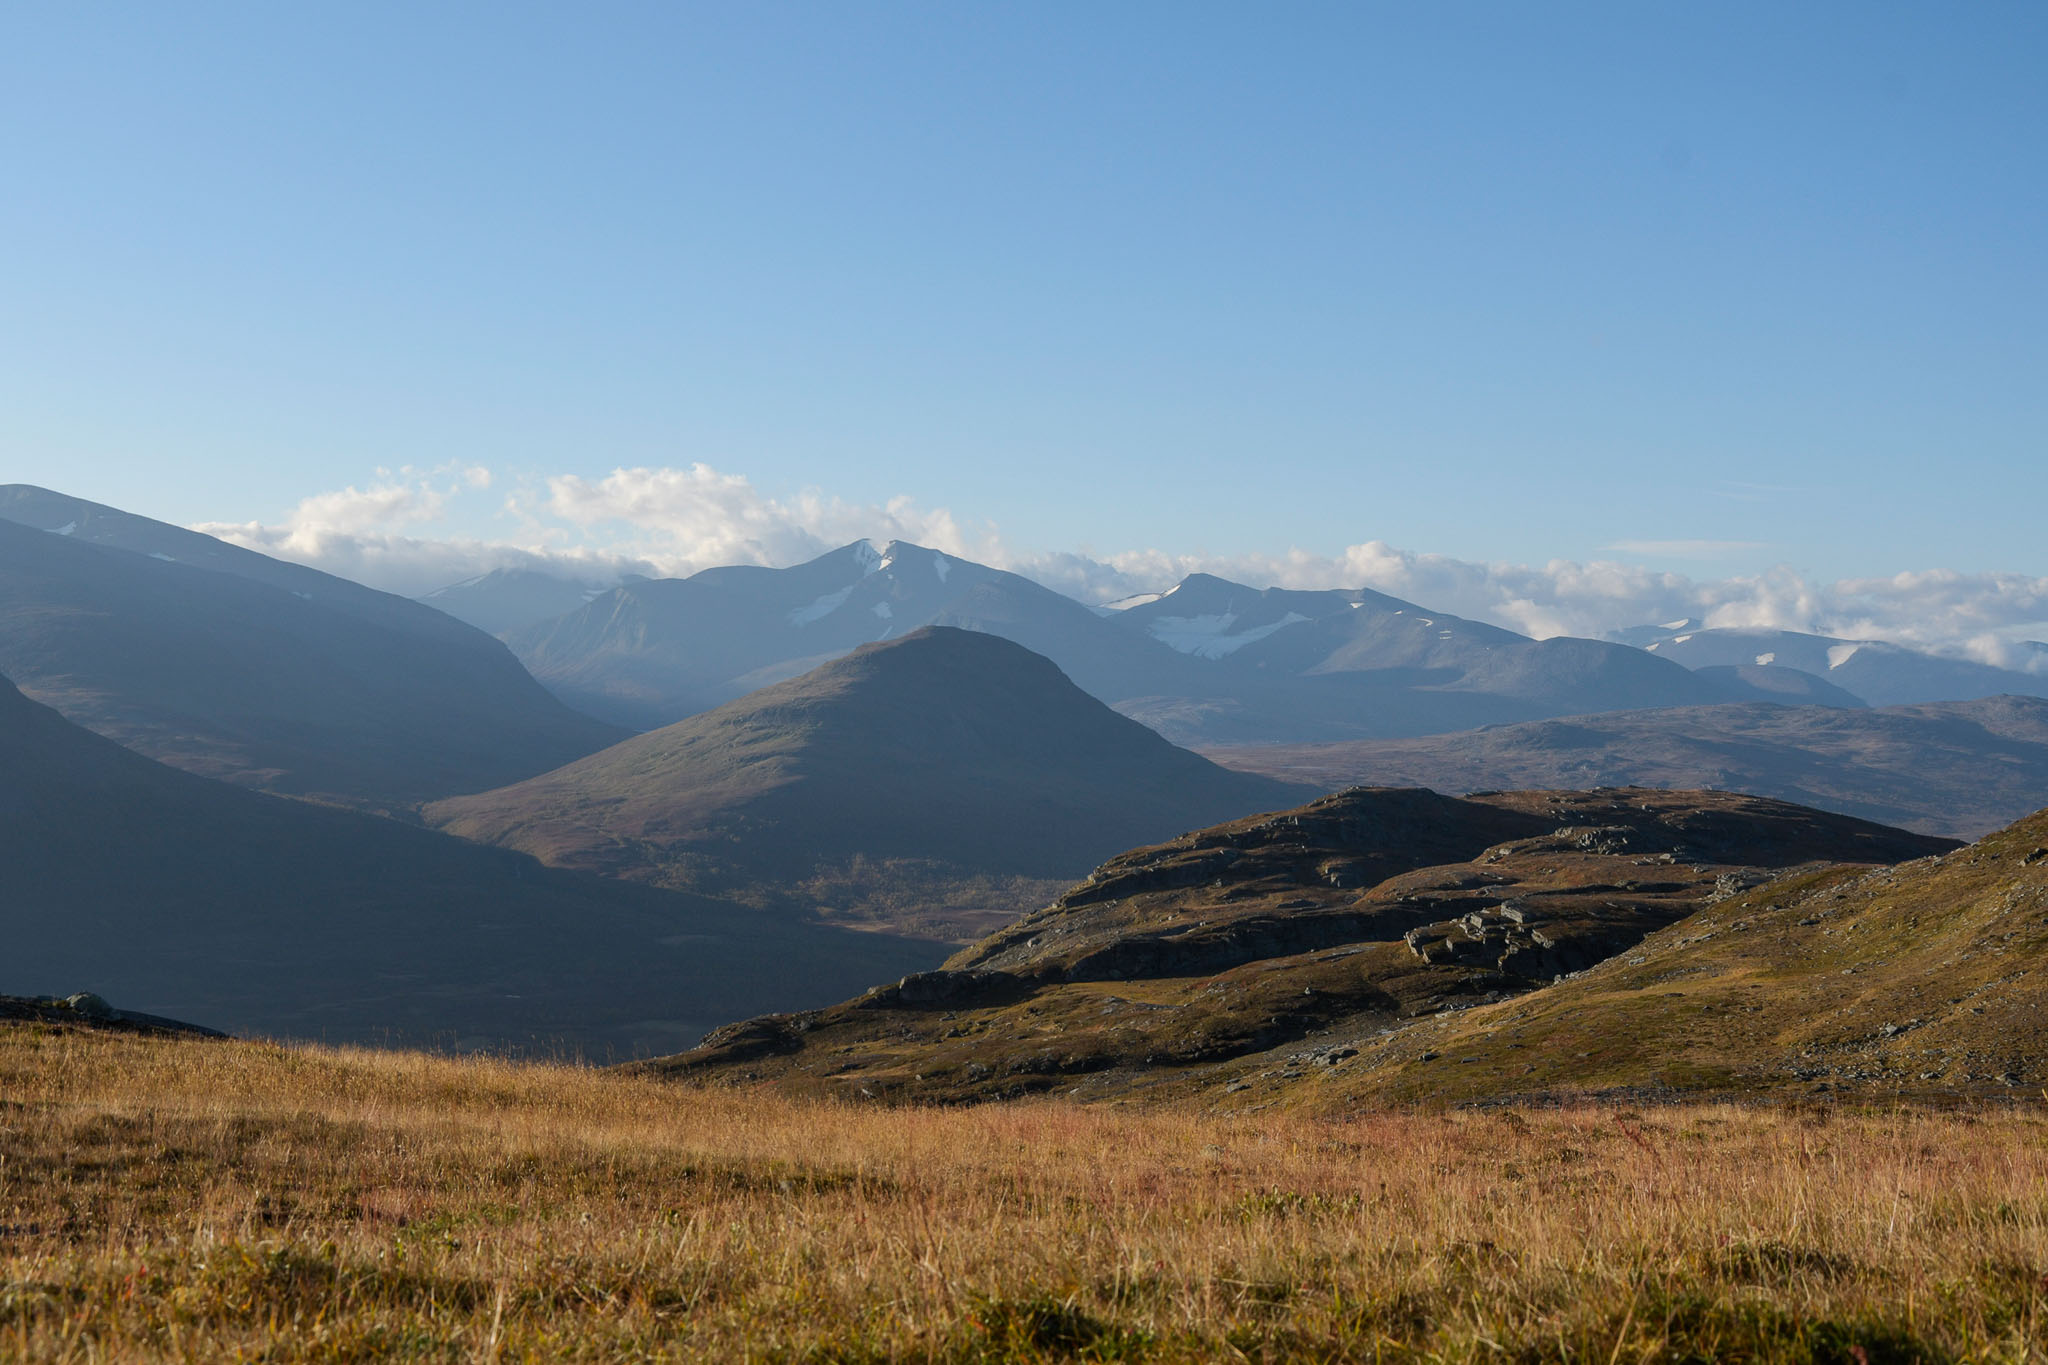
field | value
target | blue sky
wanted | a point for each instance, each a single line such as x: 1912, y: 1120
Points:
x: 1706, y: 288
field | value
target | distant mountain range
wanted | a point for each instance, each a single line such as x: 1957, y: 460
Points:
x: 1877, y: 673
x: 899, y: 772
x: 1959, y: 769
x: 652, y: 652
x: 175, y: 895
x: 1270, y: 665
x: 1208, y: 662
x: 234, y: 665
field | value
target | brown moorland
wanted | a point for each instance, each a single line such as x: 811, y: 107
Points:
x: 177, y: 1200
x: 1277, y: 952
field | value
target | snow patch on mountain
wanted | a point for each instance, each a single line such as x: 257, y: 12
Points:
x: 823, y: 607
x: 1209, y: 637
x: 1841, y: 654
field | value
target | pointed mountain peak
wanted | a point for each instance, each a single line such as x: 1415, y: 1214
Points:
x: 1205, y: 587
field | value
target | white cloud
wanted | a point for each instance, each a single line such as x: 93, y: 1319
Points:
x: 658, y: 522
x: 696, y: 518
x: 676, y: 521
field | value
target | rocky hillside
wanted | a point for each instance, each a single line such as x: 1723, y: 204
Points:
x: 1196, y: 964
x: 1919, y: 981
x: 85, y: 1010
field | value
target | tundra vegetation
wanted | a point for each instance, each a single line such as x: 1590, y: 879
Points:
x: 209, y: 1200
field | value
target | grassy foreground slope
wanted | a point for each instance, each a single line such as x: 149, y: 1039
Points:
x: 171, y: 1200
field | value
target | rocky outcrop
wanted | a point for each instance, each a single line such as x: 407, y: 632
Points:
x: 86, y: 1010
x: 1357, y: 914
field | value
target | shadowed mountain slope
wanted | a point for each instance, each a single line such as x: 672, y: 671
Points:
x: 1271, y: 949
x: 1959, y: 769
x: 266, y: 674
x: 949, y: 748
x: 178, y: 896
x: 92, y: 523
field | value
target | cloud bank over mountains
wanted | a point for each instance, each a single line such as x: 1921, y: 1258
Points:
x: 397, y: 534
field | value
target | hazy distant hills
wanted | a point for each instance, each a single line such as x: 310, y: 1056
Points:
x: 654, y: 651
x: 949, y: 753
x: 234, y: 665
x: 1209, y: 662
x: 1880, y: 674
x: 1958, y: 769
x: 175, y: 895
x: 1271, y: 665
x: 507, y: 600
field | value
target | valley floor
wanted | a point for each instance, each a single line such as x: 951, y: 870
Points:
x: 193, y: 1200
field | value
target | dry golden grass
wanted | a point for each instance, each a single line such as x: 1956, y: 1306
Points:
x: 194, y: 1201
